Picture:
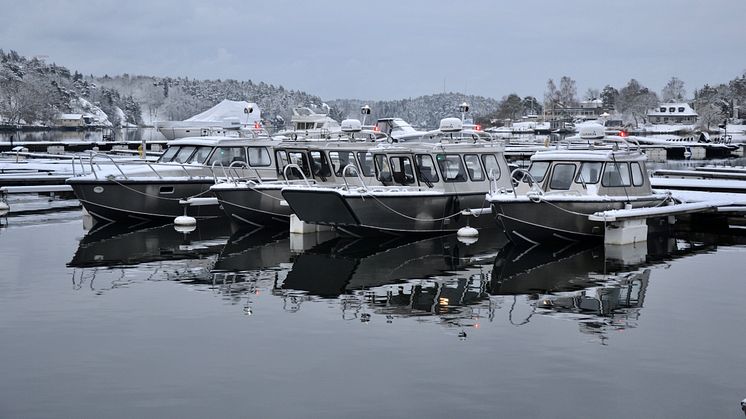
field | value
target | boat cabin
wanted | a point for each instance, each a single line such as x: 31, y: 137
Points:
x: 325, y: 163
x: 453, y: 166
x: 592, y: 172
x: 221, y: 152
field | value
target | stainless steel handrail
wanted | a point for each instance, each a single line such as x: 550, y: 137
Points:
x: 357, y: 173
x: 294, y: 166
x: 530, y: 177
x: 93, y: 170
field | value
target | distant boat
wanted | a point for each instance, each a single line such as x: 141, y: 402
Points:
x: 226, y: 118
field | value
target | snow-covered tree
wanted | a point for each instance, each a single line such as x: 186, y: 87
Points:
x: 551, y: 95
x: 591, y: 94
x: 673, y: 91
x: 635, y: 100
x: 609, y: 96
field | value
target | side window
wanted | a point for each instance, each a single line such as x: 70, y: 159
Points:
x: 200, y: 155
x: 615, y: 174
x: 366, y: 163
x: 637, y: 177
x: 169, y: 154
x: 538, y: 170
x: 340, y: 159
x: 402, y: 171
x: 259, y: 157
x: 451, y: 167
x: 562, y: 176
x: 320, y: 165
x: 590, y: 172
x: 383, y: 172
x: 227, y: 155
x: 426, y: 168
x: 473, y: 167
x: 183, y: 155
x: 298, y: 158
x: 491, y: 166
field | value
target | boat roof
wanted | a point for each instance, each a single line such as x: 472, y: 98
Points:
x: 220, y: 141
x: 588, y: 155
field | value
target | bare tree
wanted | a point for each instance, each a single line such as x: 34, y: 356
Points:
x: 551, y: 95
x: 710, y: 114
x: 568, y: 92
x: 673, y: 91
x: 635, y: 100
x: 591, y: 94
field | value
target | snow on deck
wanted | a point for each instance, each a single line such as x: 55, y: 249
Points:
x: 664, y: 210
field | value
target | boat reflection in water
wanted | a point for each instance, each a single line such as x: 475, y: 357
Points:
x: 438, y: 280
x: 122, y: 253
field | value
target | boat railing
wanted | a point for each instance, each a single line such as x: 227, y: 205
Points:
x: 531, y: 181
x: 79, y: 158
x: 93, y: 169
x: 295, y: 166
x: 357, y: 174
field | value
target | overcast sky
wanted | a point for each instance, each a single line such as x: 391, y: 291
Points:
x: 390, y: 49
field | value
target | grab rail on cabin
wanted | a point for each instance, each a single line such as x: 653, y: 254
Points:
x: 532, y: 182
x: 357, y: 173
x: 294, y: 166
x: 93, y: 170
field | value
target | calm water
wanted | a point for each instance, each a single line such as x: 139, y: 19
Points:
x: 148, y: 322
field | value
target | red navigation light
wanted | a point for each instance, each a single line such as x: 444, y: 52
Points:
x: 376, y: 128
x: 623, y: 133
x: 478, y: 127
x: 257, y: 125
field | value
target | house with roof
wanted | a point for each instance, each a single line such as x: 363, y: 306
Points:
x: 673, y: 114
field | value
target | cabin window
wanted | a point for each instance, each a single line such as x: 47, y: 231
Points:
x: 402, y: 171
x: 366, y: 163
x: 292, y: 157
x: 183, y: 155
x: 383, y: 172
x: 320, y: 165
x: 538, y: 170
x: 426, y: 168
x: 562, y: 176
x: 590, y: 172
x: 169, y: 154
x: 200, y: 155
x: 491, y: 166
x: 227, y: 155
x: 637, y: 178
x: 340, y: 160
x: 473, y: 167
x: 451, y: 167
x: 615, y: 174
x: 259, y: 157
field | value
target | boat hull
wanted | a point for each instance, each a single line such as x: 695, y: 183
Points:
x: 386, y: 214
x: 152, y: 200
x: 254, y: 207
x: 545, y: 221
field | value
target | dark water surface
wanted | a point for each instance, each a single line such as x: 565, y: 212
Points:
x: 147, y: 322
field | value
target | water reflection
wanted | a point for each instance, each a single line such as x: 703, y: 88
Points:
x: 436, y: 280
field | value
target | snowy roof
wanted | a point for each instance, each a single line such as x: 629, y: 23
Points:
x: 672, y: 109
x: 229, y: 109
x: 70, y: 116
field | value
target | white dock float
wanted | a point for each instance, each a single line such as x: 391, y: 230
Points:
x: 300, y: 227
x: 625, y: 226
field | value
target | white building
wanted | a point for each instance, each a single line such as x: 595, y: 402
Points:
x: 673, y: 113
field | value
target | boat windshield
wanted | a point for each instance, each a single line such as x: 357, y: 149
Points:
x: 320, y: 165
x: 538, y: 170
x: 615, y: 174
x: 451, y: 167
x: 340, y: 159
x: 590, y: 172
x: 491, y: 166
x: 473, y: 167
x: 169, y: 154
x: 259, y: 157
x: 183, y: 155
x: 562, y: 176
x: 226, y: 155
x: 200, y: 155
x: 366, y: 163
x: 401, y: 170
x: 426, y: 168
